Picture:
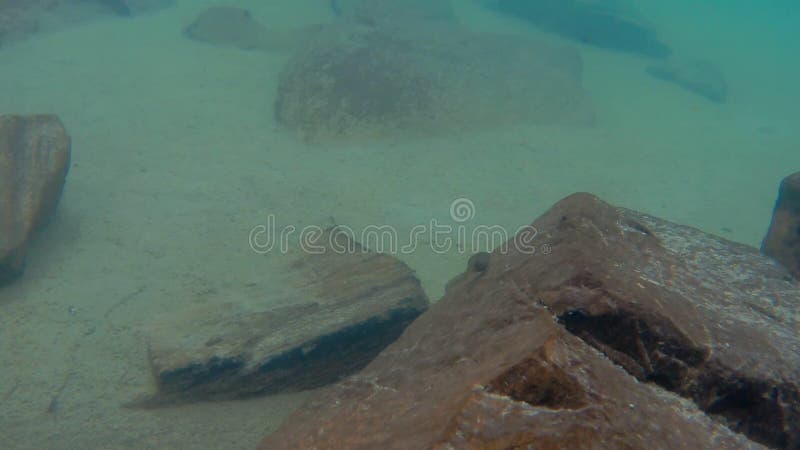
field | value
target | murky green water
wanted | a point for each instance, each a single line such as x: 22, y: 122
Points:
x: 177, y: 156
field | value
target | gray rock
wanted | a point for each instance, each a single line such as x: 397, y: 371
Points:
x: 20, y: 19
x: 610, y: 24
x: 393, y: 11
x: 343, y: 309
x: 236, y: 27
x: 697, y: 76
x: 34, y: 160
x: 228, y: 26
x: 135, y: 7
x: 354, y: 82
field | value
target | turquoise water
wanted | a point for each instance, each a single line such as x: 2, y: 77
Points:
x: 177, y: 156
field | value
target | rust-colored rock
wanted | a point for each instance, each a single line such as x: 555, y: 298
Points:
x: 337, y: 308
x: 34, y: 160
x: 632, y: 332
x: 783, y: 238
x: 356, y: 82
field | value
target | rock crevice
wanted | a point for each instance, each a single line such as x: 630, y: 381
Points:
x: 633, y: 332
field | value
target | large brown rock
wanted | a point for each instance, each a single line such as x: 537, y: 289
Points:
x: 353, y: 82
x: 783, y: 238
x: 630, y: 332
x: 331, y: 315
x: 34, y: 160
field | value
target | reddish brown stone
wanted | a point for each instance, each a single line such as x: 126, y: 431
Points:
x: 632, y: 333
x: 34, y: 160
x: 783, y: 238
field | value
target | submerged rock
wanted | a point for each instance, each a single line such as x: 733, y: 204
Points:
x: 134, y: 7
x: 356, y: 82
x: 19, y: 19
x: 228, y: 26
x: 393, y: 11
x: 697, y: 76
x: 783, y: 238
x: 34, y: 160
x: 607, y: 24
x: 121, y: 7
x: 343, y: 309
x: 632, y: 332
x: 236, y: 27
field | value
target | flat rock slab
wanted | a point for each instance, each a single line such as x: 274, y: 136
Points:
x: 229, y: 26
x: 342, y: 310
x: 354, y: 82
x: 697, y: 76
x: 783, y: 238
x: 632, y: 332
x: 610, y: 24
x: 34, y: 161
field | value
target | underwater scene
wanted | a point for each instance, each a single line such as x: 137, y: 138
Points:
x: 399, y: 224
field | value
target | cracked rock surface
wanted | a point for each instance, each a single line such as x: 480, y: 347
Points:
x: 632, y: 332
